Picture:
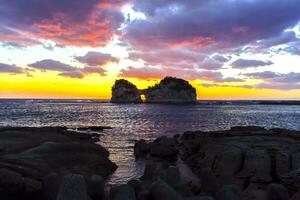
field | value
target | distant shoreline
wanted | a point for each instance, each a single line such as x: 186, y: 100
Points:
x: 201, y: 102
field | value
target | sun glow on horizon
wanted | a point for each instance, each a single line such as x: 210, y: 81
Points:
x: 62, y: 56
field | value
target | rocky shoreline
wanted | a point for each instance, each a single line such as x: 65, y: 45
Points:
x: 52, y: 163
x: 56, y: 163
x: 241, y: 163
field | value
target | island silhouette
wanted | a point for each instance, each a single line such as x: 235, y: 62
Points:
x: 168, y: 90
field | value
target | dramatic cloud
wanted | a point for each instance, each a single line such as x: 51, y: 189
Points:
x: 219, y: 24
x: 203, y: 34
x: 96, y: 58
x: 245, y: 63
x: 51, y: 65
x: 12, y: 69
x: 68, y: 22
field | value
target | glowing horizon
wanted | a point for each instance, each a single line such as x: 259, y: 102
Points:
x: 54, y: 53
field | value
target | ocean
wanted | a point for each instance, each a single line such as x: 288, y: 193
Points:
x: 131, y: 122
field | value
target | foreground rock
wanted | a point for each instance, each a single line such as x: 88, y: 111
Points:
x: 34, y: 160
x: 163, y: 148
x: 125, y: 92
x: 240, y: 163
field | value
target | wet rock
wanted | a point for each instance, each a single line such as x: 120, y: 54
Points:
x: 184, y: 189
x: 295, y: 160
x: 254, y: 192
x: 136, y: 184
x: 292, y: 180
x: 72, y: 157
x: 229, y: 162
x: 164, y: 148
x: 257, y: 166
x: 122, y: 192
x: 125, y: 92
x: 151, y: 171
x: 96, y: 187
x: 296, y: 196
x: 161, y: 190
x: 247, y: 128
x: 200, y: 198
x: 228, y: 192
x: 32, y: 189
x: 11, y: 184
x: 73, y: 187
x: 171, y: 90
x: 282, y: 164
x: 173, y: 177
x: 277, y: 192
x: 209, y: 181
x: 94, y: 128
x: 51, y: 185
x: 141, y: 148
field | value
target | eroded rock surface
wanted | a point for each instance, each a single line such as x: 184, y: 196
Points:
x: 171, y: 90
x: 125, y: 92
x: 241, y: 163
x: 34, y: 160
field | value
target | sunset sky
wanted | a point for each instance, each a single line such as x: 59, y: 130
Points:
x: 227, y: 49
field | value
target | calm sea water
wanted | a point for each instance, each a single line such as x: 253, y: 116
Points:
x: 131, y: 122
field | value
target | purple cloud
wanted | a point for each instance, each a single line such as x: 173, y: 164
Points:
x: 65, y: 69
x: 96, y: 58
x: 246, y: 63
x: 72, y: 74
x: 12, y: 69
x: 52, y: 65
x: 210, y: 64
x: 221, y: 58
x: 283, y: 38
x: 262, y: 75
x: 272, y: 80
x: 93, y: 70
